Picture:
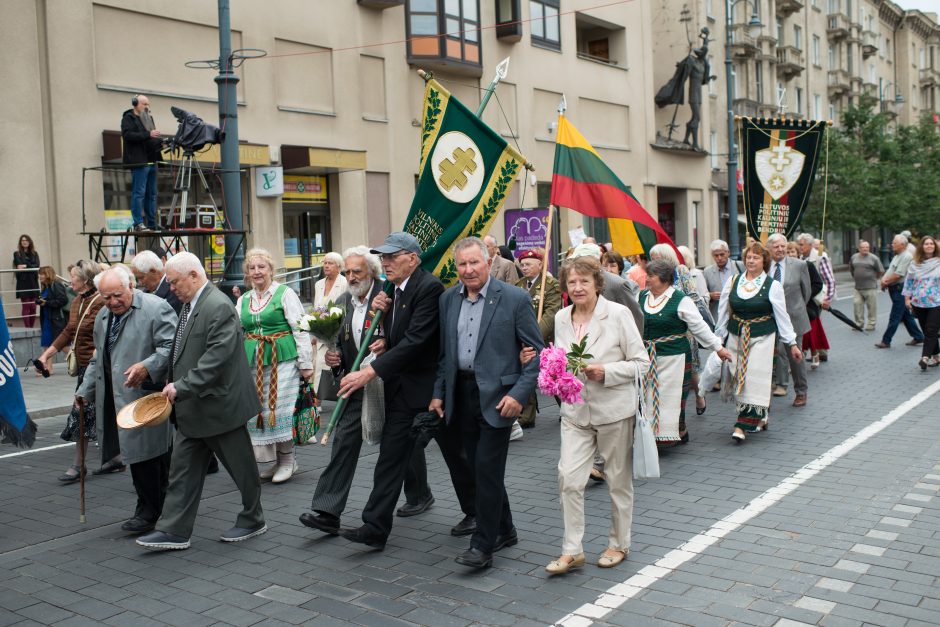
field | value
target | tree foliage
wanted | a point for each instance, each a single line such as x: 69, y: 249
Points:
x: 880, y: 174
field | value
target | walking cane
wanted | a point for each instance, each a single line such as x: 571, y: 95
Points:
x: 81, y: 462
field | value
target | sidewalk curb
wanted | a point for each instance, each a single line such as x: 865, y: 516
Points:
x: 49, y: 412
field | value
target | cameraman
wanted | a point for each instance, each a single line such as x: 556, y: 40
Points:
x: 141, y: 151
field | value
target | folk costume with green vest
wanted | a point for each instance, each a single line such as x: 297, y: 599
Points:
x: 753, y: 311
x: 668, y: 321
x: 276, y: 352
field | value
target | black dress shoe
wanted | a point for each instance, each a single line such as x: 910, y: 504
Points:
x: 465, y: 527
x: 109, y: 467
x: 323, y: 522
x: 502, y: 541
x: 138, y: 525
x: 213, y: 465
x: 409, y: 509
x: 475, y: 558
x: 361, y: 536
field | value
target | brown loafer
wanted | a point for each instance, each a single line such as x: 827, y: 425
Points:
x: 914, y: 343
x: 882, y: 345
x: 800, y: 400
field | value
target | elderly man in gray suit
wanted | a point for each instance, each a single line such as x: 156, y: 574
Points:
x: 718, y: 273
x: 133, y: 336
x: 500, y: 268
x: 793, y: 274
x: 213, y: 396
x: 481, y: 385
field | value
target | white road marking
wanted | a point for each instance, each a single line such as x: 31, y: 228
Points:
x: 619, y: 594
x: 36, y: 450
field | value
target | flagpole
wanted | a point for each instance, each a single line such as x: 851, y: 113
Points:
x: 548, y: 251
x: 502, y: 70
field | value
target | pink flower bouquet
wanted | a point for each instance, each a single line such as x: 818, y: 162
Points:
x: 554, y: 377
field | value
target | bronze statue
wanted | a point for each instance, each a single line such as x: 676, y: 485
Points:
x: 694, y: 68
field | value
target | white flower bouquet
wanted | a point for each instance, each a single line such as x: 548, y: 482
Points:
x: 324, y: 323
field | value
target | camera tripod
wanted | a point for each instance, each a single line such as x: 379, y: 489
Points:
x: 181, y: 189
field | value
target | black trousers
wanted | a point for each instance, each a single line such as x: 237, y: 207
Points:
x: 929, y: 319
x: 395, y: 451
x: 487, y: 448
x: 417, y: 489
x: 150, y: 480
x: 332, y: 489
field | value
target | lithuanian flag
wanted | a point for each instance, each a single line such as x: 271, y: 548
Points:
x: 582, y: 181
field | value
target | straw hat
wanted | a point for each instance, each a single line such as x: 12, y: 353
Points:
x: 147, y: 411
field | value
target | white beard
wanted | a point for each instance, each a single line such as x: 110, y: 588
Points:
x: 360, y: 290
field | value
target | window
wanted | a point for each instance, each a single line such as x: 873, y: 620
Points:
x: 833, y: 6
x: 508, y: 20
x: 799, y: 100
x: 759, y: 81
x: 797, y: 37
x: 817, y: 106
x: 599, y: 40
x: 832, y: 112
x: 710, y: 8
x: 545, y: 23
x: 888, y: 48
x: 446, y: 31
x: 871, y: 73
x: 816, y: 44
x: 832, y: 58
x: 781, y: 96
x: 712, y: 88
x: 779, y: 32
x: 713, y: 149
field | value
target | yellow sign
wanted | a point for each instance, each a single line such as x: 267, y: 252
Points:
x: 305, y: 189
x: 248, y: 154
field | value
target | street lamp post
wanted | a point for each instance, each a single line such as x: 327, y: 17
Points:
x: 753, y: 28
x: 882, y: 89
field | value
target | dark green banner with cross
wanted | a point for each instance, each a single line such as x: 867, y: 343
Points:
x: 780, y: 158
x: 466, y: 173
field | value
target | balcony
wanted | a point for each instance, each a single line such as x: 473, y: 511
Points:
x: 869, y: 43
x: 837, y: 26
x: 789, y: 62
x: 786, y: 8
x: 742, y: 44
x: 855, y: 86
x: 929, y: 77
x: 746, y: 107
x: 380, y: 4
x: 870, y: 89
x: 838, y: 83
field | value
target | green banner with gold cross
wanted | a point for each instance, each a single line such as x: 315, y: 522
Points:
x: 465, y: 175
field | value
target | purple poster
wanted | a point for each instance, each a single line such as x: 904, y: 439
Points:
x: 529, y: 227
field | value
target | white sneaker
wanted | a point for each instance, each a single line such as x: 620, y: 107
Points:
x: 269, y: 472
x: 516, y: 433
x: 284, y: 473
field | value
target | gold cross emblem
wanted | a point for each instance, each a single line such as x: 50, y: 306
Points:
x: 780, y: 159
x: 452, y: 172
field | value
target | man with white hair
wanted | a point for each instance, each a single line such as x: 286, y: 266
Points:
x: 718, y: 273
x: 793, y: 275
x: 133, y: 336
x: 500, y: 268
x: 213, y: 396
x: 148, y: 271
x: 893, y: 282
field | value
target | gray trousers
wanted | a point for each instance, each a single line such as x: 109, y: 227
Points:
x: 332, y: 489
x: 188, y: 474
x: 861, y: 300
x: 785, y: 365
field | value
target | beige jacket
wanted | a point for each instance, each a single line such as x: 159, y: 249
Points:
x: 615, y: 342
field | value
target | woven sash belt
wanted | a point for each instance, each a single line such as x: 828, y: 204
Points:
x: 259, y: 373
x: 652, y: 375
x: 744, y: 348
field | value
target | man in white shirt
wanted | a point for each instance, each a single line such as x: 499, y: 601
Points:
x: 717, y: 274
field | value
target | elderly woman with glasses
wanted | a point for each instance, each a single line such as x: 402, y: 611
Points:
x: 669, y: 317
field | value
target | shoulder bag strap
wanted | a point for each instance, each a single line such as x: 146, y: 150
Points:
x: 82, y: 318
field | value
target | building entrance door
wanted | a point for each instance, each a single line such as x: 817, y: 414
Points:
x: 306, y: 240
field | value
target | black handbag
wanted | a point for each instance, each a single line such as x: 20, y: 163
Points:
x: 328, y: 388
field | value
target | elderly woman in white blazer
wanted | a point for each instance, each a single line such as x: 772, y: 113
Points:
x: 327, y: 290
x: 604, y: 422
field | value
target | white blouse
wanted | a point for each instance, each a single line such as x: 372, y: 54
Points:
x: 293, y: 310
x: 778, y: 301
x: 688, y: 313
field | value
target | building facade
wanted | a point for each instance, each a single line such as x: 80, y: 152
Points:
x: 336, y: 103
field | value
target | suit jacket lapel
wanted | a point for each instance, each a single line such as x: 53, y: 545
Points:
x: 489, y: 309
x: 594, y: 327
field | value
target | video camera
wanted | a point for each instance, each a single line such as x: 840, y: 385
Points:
x: 193, y: 133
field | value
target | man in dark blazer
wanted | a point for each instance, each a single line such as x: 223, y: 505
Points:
x: 407, y: 369
x: 213, y: 396
x: 481, y: 385
x: 147, y: 267
x: 362, y: 273
x: 793, y: 274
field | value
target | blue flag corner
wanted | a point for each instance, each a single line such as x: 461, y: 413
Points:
x: 16, y: 426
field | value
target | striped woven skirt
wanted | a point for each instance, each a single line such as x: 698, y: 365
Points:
x: 675, y: 375
x: 288, y: 385
x: 754, y: 399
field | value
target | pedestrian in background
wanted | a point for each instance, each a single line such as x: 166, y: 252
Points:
x: 52, y: 301
x: 604, y: 422
x: 27, y: 282
x: 815, y: 340
x: 893, y: 282
x: 922, y: 295
x: 327, y: 289
x: 280, y: 355
x: 866, y: 270
x: 142, y: 144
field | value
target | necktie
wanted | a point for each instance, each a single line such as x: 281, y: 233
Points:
x: 529, y: 284
x: 117, y: 322
x: 184, y: 318
x: 398, y: 294
x: 777, y: 272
